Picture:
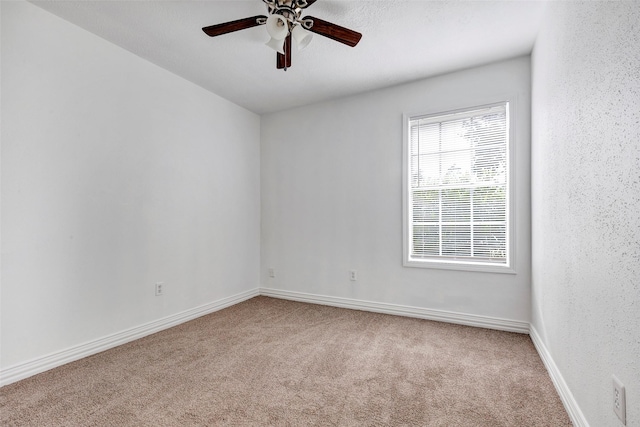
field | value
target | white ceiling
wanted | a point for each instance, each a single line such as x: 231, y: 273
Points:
x: 402, y: 41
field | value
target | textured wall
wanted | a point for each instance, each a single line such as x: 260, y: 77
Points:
x: 332, y: 197
x: 586, y: 200
x: 115, y: 174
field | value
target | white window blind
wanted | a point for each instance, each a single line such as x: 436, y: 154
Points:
x: 458, y: 191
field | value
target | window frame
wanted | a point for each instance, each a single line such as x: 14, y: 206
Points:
x: 462, y: 265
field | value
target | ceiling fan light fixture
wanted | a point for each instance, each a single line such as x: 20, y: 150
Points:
x: 277, y: 27
x: 301, y: 36
x: 285, y: 24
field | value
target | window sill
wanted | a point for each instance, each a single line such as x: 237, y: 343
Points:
x: 460, y: 266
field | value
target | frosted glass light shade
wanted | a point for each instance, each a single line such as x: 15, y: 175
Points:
x: 277, y: 45
x: 277, y: 27
x: 301, y: 36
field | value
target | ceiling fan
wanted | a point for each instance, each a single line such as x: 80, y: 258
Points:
x: 285, y: 22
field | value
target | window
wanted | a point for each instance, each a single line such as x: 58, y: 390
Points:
x: 457, y: 189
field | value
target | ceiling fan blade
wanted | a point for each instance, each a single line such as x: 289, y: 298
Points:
x: 303, y: 4
x: 333, y: 31
x: 284, y: 61
x: 239, y: 24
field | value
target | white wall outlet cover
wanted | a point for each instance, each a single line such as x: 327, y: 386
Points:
x: 159, y: 288
x: 619, y: 400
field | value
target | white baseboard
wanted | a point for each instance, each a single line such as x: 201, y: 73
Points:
x: 41, y: 364
x: 569, y: 402
x: 402, y: 310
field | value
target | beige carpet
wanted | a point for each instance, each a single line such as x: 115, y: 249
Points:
x: 274, y: 362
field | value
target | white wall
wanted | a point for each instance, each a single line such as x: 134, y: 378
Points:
x: 332, y: 197
x: 586, y: 200
x: 115, y: 174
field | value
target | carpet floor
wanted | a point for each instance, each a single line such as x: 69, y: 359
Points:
x: 274, y: 362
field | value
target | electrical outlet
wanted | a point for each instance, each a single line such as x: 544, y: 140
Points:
x: 272, y: 272
x: 353, y: 275
x: 619, y: 404
x: 159, y: 289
